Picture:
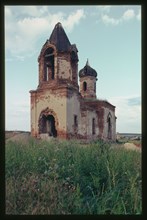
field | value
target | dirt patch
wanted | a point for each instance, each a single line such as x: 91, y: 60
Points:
x: 131, y: 146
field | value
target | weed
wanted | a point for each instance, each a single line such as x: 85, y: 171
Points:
x: 62, y: 177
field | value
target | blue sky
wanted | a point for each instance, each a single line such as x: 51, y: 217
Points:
x: 109, y: 36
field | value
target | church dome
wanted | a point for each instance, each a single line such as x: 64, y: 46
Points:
x: 87, y: 71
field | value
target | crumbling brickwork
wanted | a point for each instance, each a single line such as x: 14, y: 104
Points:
x: 59, y: 106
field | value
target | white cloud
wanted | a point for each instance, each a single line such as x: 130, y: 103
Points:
x: 73, y: 19
x: 128, y: 116
x: 109, y: 20
x: 31, y: 10
x: 129, y: 14
x: 24, y: 25
x: 31, y: 27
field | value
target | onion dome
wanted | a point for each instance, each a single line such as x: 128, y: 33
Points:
x: 87, y: 71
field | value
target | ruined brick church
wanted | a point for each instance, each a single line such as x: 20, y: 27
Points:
x: 59, y: 106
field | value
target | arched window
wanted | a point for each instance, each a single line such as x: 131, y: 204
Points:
x: 49, y: 64
x: 94, y: 86
x: 93, y: 126
x: 75, y: 121
x: 84, y: 86
x: 75, y: 127
x: 109, y: 121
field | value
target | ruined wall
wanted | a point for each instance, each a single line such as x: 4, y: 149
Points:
x: 55, y: 101
x: 74, y: 68
x: 91, y: 86
x: 66, y: 103
x: 93, y: 115
x: 101, y: 109
x: 73, y: 108
x: 83, y: 124
x: 88, y: 113
x: 64, y: 66
x: 84, y: 119
x: 86, y: 128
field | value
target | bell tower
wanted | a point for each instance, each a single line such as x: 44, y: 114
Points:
x: 88, y: 78
x: 58, y: 60
x: 52, y: 101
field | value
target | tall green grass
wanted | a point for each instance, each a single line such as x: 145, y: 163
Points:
x: 65, y: 177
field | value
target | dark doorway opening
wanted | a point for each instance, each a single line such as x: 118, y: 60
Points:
x: 47, y: 125
x: 50, y: 126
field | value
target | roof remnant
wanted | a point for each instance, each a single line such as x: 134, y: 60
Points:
x: 59, y: 38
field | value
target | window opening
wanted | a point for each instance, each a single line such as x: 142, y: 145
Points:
x: 49, y: 64
x: 84, y: 86
x: 95, y: 87
x: 93, y: 126
x: 75, y: 121
x: 47, y: 74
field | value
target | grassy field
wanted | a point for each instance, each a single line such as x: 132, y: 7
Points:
x: 66, y: 177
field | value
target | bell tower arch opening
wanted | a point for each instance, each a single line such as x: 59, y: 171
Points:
x: 49, y: 64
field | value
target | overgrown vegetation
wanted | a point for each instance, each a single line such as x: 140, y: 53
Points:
x: 65, y: 177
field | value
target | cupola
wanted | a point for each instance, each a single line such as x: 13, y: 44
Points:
x: 87, y: 71
x: 88, y: 78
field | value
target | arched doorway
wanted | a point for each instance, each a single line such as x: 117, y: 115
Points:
x: 47, y: 125
x: 50, y: 126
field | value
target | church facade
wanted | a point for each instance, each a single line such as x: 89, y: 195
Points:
x: 59, y: 106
